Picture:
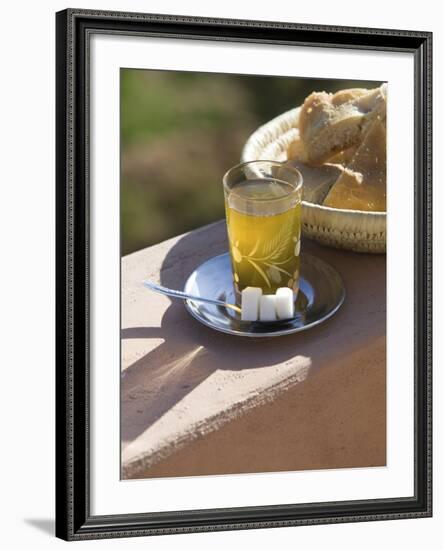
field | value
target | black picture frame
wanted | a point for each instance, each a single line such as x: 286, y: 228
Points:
x: 74, y: 28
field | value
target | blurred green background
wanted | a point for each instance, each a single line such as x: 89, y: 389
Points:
x: 180, y: 132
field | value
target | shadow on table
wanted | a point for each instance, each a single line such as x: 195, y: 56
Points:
x: 191, y: 352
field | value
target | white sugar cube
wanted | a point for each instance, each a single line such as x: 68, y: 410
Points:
x: 250, y: 302
x: 267, y: 308
x: 284, y: 299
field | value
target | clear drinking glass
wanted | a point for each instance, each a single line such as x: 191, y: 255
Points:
x: 263, y: 217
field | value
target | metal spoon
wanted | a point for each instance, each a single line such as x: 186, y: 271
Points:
x: 179, y: 294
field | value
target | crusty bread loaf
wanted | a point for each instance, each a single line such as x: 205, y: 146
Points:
x: 330, y: 123
x: 362, y: 185
x: 296, y: 150
x: 343, y: 157
x: 348, y: 94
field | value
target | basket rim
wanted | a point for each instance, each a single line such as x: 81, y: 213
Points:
x: 375, y: 214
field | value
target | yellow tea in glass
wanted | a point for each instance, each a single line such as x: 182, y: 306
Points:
x: 263, y: 217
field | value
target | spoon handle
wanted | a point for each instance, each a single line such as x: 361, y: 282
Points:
x: 179, y: 294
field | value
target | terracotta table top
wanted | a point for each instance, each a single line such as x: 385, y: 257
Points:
x: 195, y: 401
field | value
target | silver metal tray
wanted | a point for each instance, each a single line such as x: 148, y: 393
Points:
x: 321, y: 294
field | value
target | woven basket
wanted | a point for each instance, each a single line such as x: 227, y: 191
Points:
x: 349, y: 229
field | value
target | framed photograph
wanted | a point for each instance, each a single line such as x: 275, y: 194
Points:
x: 243, y: 274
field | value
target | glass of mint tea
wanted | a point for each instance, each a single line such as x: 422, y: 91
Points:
x: 263, y: 217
